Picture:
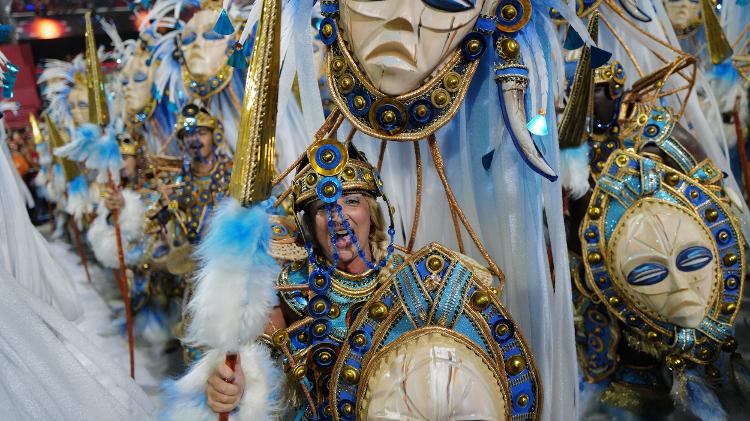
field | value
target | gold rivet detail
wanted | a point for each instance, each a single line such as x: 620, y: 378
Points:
x: 378, y: 311
x: 319, y: 306
x: 675, y: 362
x: 421, y: 111
x: 359, y: 102
x: 347, y: 408
x: 473, y: 46
x: 501, y: 329
x: 712, y: 215
x: 319, y: 329
x: 346, y: 83
x: 730, y: 345
x: 594, y: 258
x: 359, y: 339
x: 515, y: 365
x: 694, y: 194
x: 338, y: 65
x: 389, y: 116
x: 325, y: 357
x: 311, y: 179
x: 614, y: 301
x: 480, y: 300
x: 349, y: 173
x: 672, y: 179
x: 728, y: 308
x: 329, y: 189
x: 509, y: 49
x: 302, y: 337
x: 440, y: 98
x: 452, y: 81
x: 730, y: 259
x: 523, y: 400
x: 595, y: 212
x: 327, y: 157
x: 622, y: 160
x: 327, y: 30
x: 350, y: 374
x: 652, y: 336
x: 335, y: 312
x: 509, y: 12
x: 704, y: 353
x: 435, y: 263
x: 280, y: 337
x: 299, y: 372
x: 731, y: 282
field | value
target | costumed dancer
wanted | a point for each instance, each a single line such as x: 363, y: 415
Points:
x: 388, y: 102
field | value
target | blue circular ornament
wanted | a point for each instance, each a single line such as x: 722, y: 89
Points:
x: 328, y: 31
x: 420, y: 111
x: 319, y: 281
x: 329, y: 189
x: 469, y: 41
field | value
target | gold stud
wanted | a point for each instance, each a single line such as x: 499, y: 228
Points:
x: 590, y: 235
x: 728, y: 308
x: 522, y: 400
x: 631, y: 319
x: 694, y: 194
x: 652, y: 336
x: 329, y: 190
x: 421, y: 111
x: 675, y: 362
x: 319, y: 306
x: 327, y: 30
x: 325, y: 357
x: 730, y: 345
x: 614, y: 301
x: 346, y: 83
x: 347, y: 408
x: 501, y: 329
x: 595, y: 212
x: 320, y: 281
x: 730, y: 259
x: 712, y: 214
x: 350, y: 374
x: 509, y: 49
x: 452, y: 81
x: 435, y: 263
x: 515, y: 365
x: 280, y: 337
x: 334, y: 312
x: 302, y: 337
x: 473, y: 46
x: 359, y: 339
x: 349, y: 173
x: 704, y: 353
x: 378, y: 311
x: 672, y: 179
x: 359, y: 102
x: 712, y: 372
x: 440, y: 98
x: 602, y: 280
x: 594, y: 258
x: 480, y: 300
x: 311, y: 179
x: 338, y: 65
x: 652, y: 130
x: 622, y: 160
x: 642, y: 119
x: 319, y: 329
x: 731, y: 282
x: 509, y: 12
x: 327, y: 156
x: 299, y: 372
x: 389, y: 116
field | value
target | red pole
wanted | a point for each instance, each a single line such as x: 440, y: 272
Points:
x: 230, y: 361
x: 123, y: 281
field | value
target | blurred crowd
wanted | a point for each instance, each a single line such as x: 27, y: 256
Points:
x: 42, y: 7
x: 26, y: 161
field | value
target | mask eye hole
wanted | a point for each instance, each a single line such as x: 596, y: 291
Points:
x: 212, y: 36
x: 647, y: 274
x: 694, y: 258
x: 451, y: 5
x: 188, y: 38
x: 139, y: 76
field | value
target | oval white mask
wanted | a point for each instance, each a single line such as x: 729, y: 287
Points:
x: 137, y: 78
x: 684, y: 14
x: 399, y: 43
x: 665, y: 261
x: 204, y: 50
x: 78, y: 100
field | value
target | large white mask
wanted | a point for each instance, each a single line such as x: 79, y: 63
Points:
x: 78, y: 101
x: 204, y: 50
x: 399, y: 43
x: 137, y: 78
x: 665, y: 261
x: 433, y: 377
x: 685, y: 15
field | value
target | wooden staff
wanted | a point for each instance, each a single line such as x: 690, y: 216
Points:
x: 79, y: 246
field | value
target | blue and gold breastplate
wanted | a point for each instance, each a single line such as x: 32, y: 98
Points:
x: 198, y: 196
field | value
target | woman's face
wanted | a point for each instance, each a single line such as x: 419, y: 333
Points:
x: 355, y: 209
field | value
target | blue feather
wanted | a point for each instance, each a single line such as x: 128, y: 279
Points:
x: 80, y: 148
x: 78, y: 187
x: 105, y: 157
x: 693, y: 393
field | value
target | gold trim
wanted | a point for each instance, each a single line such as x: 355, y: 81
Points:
x: 431, y: 84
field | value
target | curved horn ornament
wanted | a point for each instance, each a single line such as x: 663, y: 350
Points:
x: 512, y: 90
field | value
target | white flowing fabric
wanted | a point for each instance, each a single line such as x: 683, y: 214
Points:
x: 50, y: 371
x: 23, y: 250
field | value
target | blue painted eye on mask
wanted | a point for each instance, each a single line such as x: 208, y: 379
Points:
x: 124, y: 81
x: 451, y: 5
x: 212, y: 36
x: 647, y: 274
x: 139, y: 76
x: 188, y: 38
x: 694, y: 258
